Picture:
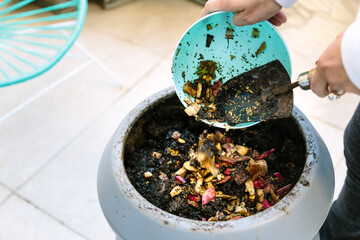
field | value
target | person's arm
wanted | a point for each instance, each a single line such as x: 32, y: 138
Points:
x: 249, y: 12
x: 350, y: 52
x: 339, y: 65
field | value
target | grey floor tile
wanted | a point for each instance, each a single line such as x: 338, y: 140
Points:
x: 157, y: 25
x: 127, y: 61
x: 332, y: 137
x: 336, y: 113
x: 14, y: 95
x: 66, y: 188
x: 158, y: 79
x: 20, y: 220
x: 4, y: 193
x: 37, y: 132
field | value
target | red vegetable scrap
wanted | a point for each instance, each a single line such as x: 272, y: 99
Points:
x: 227, y: 171
x: 265, y: 154
x: 208, y: 195
x: 279, y: 176
x: 216, y: 87
x: 259, y: 183
x: 180, y: 179
x: 226, y: 178
x: 194, y: 198
x: 284, y: 190
x: 265, y: 204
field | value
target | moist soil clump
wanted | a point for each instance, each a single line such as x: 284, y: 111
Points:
x: 203, y: 173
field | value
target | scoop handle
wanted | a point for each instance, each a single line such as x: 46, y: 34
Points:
x: 304, y: 79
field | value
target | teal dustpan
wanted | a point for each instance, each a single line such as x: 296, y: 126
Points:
x: 234, y: 49
x: 33, y: 39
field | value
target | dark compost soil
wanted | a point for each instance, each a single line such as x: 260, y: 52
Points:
x: 153, y: 133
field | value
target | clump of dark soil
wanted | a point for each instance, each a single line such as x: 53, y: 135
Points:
x: 164, y: 139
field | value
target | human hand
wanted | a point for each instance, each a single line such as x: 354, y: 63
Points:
x: 330, y: 72
x: 248, y: 12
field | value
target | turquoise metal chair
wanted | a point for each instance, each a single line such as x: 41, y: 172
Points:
x: 34, y: 39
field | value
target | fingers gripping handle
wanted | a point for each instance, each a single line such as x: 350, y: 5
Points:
x: 305, y: 78
x: 304, y: 81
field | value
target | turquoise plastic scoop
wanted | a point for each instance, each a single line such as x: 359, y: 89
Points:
x: 234, y: 49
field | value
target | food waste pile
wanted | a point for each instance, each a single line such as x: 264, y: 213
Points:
x: 202, y: 91
x: 205, y: 174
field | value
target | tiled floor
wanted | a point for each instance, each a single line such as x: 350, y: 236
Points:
x: 54, y: 128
